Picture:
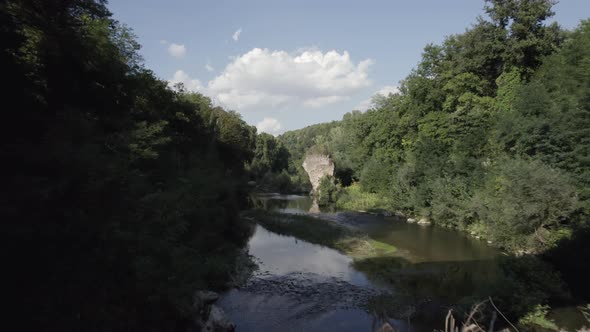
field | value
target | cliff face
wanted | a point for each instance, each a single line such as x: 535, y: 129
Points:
x: 317, y: 166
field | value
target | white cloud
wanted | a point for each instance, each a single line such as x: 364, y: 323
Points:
x: 236, y: 35
x: 263, y: 78
x: 176, y: 50
x: 321, y: 101
x: 163, y: 41
x: 190, y: 84
x: 209, y: 68
x: 384, y: 91
x: 269, y: 125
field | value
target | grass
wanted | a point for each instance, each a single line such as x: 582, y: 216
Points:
x: 353, y: 198
x: 323, y: 232
x: 382, y: 248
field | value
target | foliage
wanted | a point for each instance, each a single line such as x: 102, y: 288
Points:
x: 354, y: 198
x: 269, y: 156
x: 489, y: 132
x: 523, y: 202
x: 327, y: 191
x: 120, y: 196
x: 586, y: 311
x: 538, y: 317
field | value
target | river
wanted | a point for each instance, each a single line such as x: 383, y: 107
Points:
x: 301, y: 286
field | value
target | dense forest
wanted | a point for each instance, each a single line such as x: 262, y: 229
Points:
x: 120, y: 195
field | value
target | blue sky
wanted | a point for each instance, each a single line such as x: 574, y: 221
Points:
x: 288, y: 64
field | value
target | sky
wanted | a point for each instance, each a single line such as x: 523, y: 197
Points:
x: 284, y: 65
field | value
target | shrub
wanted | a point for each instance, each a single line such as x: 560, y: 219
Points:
x: 327, y: 191
x: 524, y: 204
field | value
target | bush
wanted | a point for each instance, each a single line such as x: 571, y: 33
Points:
x: 538, y: 317
x: 450, y: 202
x: 375, y: 176
x: 524, y: 204
x: 354, y: 198
x: 327, y: 191
x: 276, y: 182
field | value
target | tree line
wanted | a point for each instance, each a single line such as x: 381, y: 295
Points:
x: 489, y: 133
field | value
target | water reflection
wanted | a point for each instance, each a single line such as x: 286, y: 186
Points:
x: 433, y: 266
x: 281, y: 255
x: 293, y: 204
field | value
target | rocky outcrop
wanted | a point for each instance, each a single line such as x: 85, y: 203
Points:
x: 317, y: 166
x: 210, y: 318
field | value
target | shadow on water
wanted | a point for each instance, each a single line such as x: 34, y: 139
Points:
x: 425, y: 291
x: 571, y: 257
x: 295, y: 204
x: 288, y: 203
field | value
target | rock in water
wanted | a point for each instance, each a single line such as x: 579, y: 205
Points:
x: 218, y: 322
x: 205, y: 297
x: 202, y: 300
x: 386, y: 328
x: 210, y: 318
x: 317, y: 166
x: 424, y: 221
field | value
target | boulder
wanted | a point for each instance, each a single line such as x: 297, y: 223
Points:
x: 411, y: 220
x: 217, y: 321
x: 317, y: 166
x: 202, y: 298
x: 424, y: 221
x: 210, y: 318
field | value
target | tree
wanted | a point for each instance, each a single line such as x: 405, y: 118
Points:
x: 527, y: 39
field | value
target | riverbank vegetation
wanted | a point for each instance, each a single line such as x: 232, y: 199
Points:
x: 488, y: 134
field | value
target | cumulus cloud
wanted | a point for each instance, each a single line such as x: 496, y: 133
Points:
x: 190, y: 84
x: 237, y: 34
x: 177, y: 50
x: 209, y: 68
x: 269, y: 125
x: 384, y: 91
x: 263, y: 78
x: 321, y: 101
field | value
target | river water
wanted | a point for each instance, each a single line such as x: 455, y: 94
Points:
x: 306, y: 287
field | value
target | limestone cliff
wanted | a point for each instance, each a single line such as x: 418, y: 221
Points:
x: 317, y: 166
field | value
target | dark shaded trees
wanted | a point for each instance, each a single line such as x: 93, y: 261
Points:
x: 120, y: 196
